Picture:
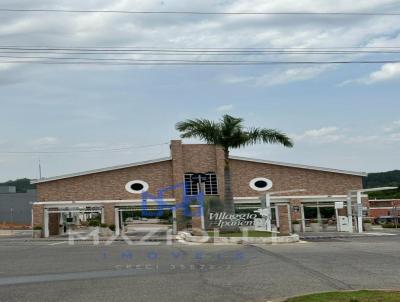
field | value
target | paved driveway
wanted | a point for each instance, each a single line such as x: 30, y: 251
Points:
x: 56, y: 271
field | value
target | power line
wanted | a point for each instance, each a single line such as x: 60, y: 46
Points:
x: 193, y: 52
x: 195, y: 48
x: 81, y: 150
x: 196, y: 62
x: 197, y: 12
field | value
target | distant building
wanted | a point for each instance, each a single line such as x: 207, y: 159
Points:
x: 384, y: 207
x: 8, y: 189
x: 16, y: 207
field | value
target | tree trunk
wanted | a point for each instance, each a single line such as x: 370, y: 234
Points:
x: 228, y: 202
x: 229, y: 206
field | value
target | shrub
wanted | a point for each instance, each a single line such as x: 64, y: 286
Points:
x: 367, y: 221
x: 94, y: 223
x: 314, y: 221
x: 295, y: 222
x: 388, y: 225
x: 112, y: 227
x: 104, y: 225
x: 37, y: 228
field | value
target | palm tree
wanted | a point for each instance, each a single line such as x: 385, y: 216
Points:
x: 229, y: 133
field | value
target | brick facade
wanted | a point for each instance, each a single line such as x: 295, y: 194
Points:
x: 388, y: 207
x: 109, y: 185
x: 198, y: 158
x: 287, y: 178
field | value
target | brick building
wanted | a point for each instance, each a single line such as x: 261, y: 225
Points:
x: 111, y: 191
x: 384, y: 208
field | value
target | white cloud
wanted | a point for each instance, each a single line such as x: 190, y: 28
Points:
x: 279, y: 76
x: 326, y: 135
x: 321, y: 135
x: 387, y: 72
x: 225, y: 108
x: 289, y: 75
x: 393, y: 126
x: 46, y: 140
x: 208, y: 31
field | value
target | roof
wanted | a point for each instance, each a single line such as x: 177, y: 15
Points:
x: 299, y: 166
x: 112, y: 168
x: 36, y: 181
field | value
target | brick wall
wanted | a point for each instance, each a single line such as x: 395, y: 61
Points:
x: 109, y: 214
x: 108, y: 185
x: 287, y: 178
x: 38, y: 215
x: 284, y: 228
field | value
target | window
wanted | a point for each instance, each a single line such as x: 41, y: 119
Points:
x: 260, y: 184
x: 208, y: 182
x: 137, y: 186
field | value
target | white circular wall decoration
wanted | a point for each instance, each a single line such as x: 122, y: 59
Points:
x: 137, y: 186
x: 260, y: 184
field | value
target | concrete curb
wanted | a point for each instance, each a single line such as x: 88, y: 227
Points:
x: 101, y: 239
x: 185, y: 236
x: 324, y: 292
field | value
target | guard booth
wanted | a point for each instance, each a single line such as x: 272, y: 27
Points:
x: 136, y: 220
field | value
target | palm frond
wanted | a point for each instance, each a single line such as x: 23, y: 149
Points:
x: 204, y: 129
x: 270, y: 136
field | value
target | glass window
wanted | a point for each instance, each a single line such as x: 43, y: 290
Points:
x: 192, y: 185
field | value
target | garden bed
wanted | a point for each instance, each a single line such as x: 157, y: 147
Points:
x: 359, y: 296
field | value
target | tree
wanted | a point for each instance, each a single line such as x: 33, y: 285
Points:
x: 229, y: 133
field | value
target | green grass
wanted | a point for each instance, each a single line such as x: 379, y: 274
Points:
x: 240, y: 234
x: 360, y: 296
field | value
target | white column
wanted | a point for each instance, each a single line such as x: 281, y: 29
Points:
x: 349, y: 213
x: 277, y: 216
x: 319, y: 214
x: 174, y: 226
x: 337, y: 220
x: 46, y: 223
x: 203, y: 225
x: 359, y: 213
x: 268, y: 211
x: 303, y: 218
x: 116, y: 218
x: 289, y: 218
x: 102, y: 215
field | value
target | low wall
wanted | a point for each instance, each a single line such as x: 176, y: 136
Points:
x: 239, y: 240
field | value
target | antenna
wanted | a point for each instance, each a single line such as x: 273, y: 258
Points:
x: 40, y: 170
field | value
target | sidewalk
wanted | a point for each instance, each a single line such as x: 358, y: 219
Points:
x: 333, y: 235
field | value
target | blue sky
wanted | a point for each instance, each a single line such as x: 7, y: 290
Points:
x: 345, y: 117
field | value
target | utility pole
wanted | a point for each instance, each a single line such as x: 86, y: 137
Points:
x: 40, y: 170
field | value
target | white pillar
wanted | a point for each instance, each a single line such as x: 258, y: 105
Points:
x: 359, y: 213
x: 337, y: 220
x: 46, y: 223
x: 203, y: 225
x: 303, y: 218
x: 268, y: 211
x: 319, y: 214
x: 277, y: 216
x: 102, y: 215
x: 349, y: 213
x: 289, y: 218
x: 174, y: 226
x: 116, y: 218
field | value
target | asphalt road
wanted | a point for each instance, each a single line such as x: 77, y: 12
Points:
x: 57, y: 271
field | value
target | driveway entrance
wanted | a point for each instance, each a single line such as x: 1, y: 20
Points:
x: 136, y: 220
